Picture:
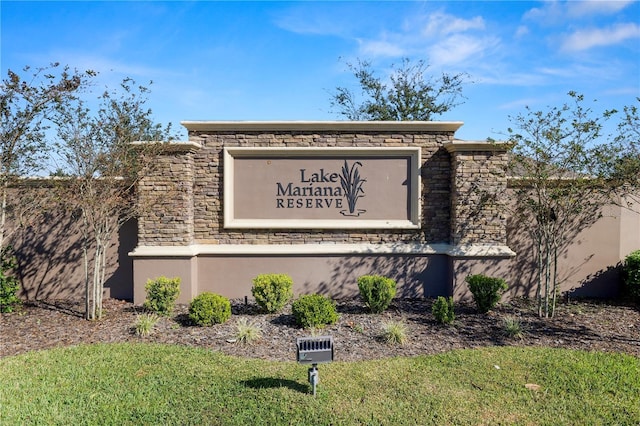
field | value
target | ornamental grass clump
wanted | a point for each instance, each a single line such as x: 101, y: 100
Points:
x: 208, y: 309
x: 247, y: 331
x: 512, y: 327
x: 486, y: 291
x: 162, y: 294
x: 314, y: 311
x: 394, y: 332
x: 145, y: 324
x: 377, y: 292
x: 272, y: 291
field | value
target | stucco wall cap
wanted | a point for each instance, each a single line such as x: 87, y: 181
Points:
x: 481, y: 250
x: 173, y: 146
x: 324, y: 126
x: 495, y: 250
x: 466, y: 146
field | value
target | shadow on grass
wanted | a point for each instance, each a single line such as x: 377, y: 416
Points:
x: 272, y: 382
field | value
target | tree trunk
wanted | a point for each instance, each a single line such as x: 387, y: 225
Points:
x: 96, y: 281
x: 539, y: 286
x: 547, y: 275
x: 555, y: 278
x: 3, y: 214
x: 87, y: 286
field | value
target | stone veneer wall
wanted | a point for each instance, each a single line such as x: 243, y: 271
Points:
x: 478, y: 195
x: 208, y: 196
x: 166, y: 199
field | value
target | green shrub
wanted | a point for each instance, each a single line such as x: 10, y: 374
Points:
x: 631, y: 275
x: 314, y: 311
x: 208, y: 308
x: 486, y: 291
x: 272, y: 291
x: 442, y: 309
x: 162, y: 294
x: 377, y: 292
x: 8, y: 284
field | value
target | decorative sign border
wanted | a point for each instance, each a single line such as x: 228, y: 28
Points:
x: 412, y: 154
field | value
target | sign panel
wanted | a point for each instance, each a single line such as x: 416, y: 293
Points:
x: 321, y: 188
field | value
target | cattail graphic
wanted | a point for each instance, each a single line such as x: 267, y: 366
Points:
x: 351, y: 183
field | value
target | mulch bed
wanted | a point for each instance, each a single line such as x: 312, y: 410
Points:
x: 585, y: 325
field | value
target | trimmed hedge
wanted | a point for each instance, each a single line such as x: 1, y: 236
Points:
x: 631, y: 275
x: 272, y: 291
x: 162, y: 293
x: 486, y: 291
x: 208, y: 308
x: 377, y: 292
x: 314, y: 311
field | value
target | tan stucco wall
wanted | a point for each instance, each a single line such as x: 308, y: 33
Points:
x: 462, y: 231
x: 336, y: 276
x: 48, y: 247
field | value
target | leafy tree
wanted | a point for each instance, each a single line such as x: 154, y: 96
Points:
x: 26, y: 103
x: 96, y: 150
x: 620, y: 160
x: 567, y: 174
x: 410, y: 94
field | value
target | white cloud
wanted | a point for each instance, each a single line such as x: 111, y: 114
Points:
x: 521, y: 31
x: 595, y: 7
x: 553, y: 12
x: 445, y: 38
x: 460, y: 48
x: 588, y: 38
x: 439, y: 24
x: 510, y: 78
x: 381, y: 48
x: 342, y: 19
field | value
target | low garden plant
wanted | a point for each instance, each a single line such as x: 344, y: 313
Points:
x: 145, y: 323
x: 9, y: 284
x: 512, y: 326
x: 486, y: 291
x: 247, y: 331
x: 162, y: 293
x: 272, y: 291
x: 209, y: 308
x: 442, y: 310
x: 377, y: 292
x: 631, y: 275
x: 314, y: 311
x: 394, y: 332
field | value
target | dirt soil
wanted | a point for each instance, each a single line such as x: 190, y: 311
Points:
x: 586, y: 325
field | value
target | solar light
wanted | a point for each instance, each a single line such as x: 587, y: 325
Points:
x: 314, y: 350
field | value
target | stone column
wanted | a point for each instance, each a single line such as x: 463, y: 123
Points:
x: 166, y: 219
x: 478, y: 211
x: 165, y: 196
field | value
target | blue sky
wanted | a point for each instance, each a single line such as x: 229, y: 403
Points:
x: 281, y: 60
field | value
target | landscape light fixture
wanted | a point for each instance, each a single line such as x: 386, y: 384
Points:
x: 314, y: 350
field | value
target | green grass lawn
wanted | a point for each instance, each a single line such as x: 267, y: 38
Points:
x: 121, y: 384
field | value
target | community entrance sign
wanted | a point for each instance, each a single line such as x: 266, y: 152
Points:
x: 324, y: 202
x: 350, y: 188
